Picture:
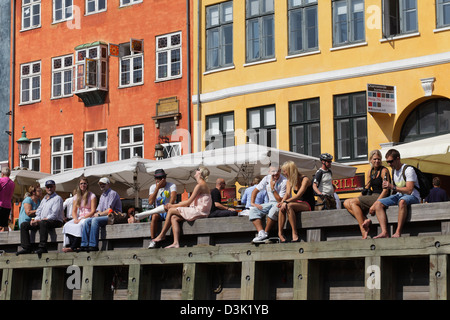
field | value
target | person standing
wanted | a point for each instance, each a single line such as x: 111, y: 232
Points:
x: 405, y: 194
x: 6, y: 193
x: 323, y: 182
x: 49, y: 215
x: 109, y: 200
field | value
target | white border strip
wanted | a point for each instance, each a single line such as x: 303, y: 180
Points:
x: 379, y: 68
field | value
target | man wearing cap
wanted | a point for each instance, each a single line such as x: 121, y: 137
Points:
x: 109, y: 199
x: 275, y: 184
x: 49, y: 215
x: 160, y: 193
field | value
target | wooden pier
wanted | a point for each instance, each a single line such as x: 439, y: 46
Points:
x: 217, y: 262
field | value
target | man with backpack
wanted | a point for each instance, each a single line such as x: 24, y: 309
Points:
x: 405, y: 189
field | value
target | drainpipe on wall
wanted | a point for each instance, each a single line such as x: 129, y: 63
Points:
x: 13, y: 79
x: 188, y: 31
x: 199, y: 124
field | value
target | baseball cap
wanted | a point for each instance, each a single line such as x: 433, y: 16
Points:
x: 160, y: 173
x: 50, y: 183
x: 104, y: 180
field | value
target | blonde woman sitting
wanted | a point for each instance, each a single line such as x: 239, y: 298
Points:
x: 299, y: 197
x: 84, y: 205
x: 360, y: 206
x: 196, y: 207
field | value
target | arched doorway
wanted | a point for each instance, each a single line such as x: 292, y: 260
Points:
x: 428, y: 119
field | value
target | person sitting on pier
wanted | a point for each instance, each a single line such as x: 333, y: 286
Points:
x: 405, y: 194
x: 217, y: 208
x: 83, y: 207
x: 246, y: 199
x: 360, y: 206
x: 275, y: 184
x: 196, y: 207
x: 109, y: 200
x: 160, y: 194
x: 299, y: 197
x: 49, y: 215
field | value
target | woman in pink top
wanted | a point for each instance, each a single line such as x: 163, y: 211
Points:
x: 197, y: 206
x: 83, y: 207
x: 6, y: 193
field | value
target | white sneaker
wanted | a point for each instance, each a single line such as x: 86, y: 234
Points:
x: 262, y: 235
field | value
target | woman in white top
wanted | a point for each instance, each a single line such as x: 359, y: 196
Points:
x: 84, y: 205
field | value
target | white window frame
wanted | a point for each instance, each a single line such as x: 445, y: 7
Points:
x: 440, y: 5
x: 65, y: 73
x: 61, y: 154
x: 132, y: 59
x: 98, y: 57
x: 350, y: 22
x: 169, y: 49
x: 130, y: 3
x: 302, y: 8
x: 131, y: 145
x: 32, y: 85
x: 31, y: 6
x: 171, y: 149
x: 219, y: 22
x: 96, y: 5
x: 32, y: 156
x: 264, y: 39
x: 402, y: 12
x: 96, y: 149
x: 67, y: 11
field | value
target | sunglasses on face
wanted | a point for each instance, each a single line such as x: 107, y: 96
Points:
x: 390, y: 161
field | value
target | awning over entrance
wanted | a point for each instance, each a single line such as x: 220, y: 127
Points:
x: 431, y: 155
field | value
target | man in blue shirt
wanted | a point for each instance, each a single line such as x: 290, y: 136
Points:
x: 91, y: 229
x: 261, y: 197
x: 49, y: 215
x: 437, y: 194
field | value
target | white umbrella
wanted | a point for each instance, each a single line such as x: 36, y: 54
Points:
x: 430, y: 155
x: 238, y: 164
x: 23, y: 179
x: 128, y: 177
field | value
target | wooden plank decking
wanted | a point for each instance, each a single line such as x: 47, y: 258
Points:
x: 217, y: 261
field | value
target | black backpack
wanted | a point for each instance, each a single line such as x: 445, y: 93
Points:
x: 424, y: 182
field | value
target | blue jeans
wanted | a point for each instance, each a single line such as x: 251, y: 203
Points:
x: 269, y: 208
x: 91, y: 230
x: 395, y: 199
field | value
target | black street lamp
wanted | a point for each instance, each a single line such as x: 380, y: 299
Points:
x: 24, y: 145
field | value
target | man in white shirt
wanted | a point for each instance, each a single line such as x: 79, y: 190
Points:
x: 405, y: 194
x: 275, y: 184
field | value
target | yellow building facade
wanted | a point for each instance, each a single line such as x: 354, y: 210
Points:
x: 297, y: 72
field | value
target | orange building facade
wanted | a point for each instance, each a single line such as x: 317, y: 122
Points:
x: 100, y: 80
